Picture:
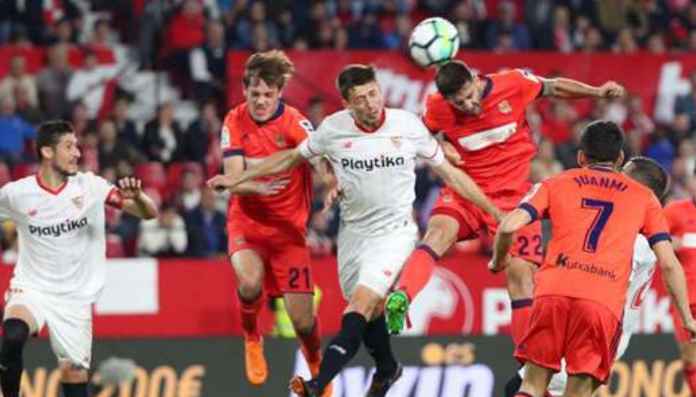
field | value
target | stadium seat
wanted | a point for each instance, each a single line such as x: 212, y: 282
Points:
x: 153, y: 175
x: 19, y: 171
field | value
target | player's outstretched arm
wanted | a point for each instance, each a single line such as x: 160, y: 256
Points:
x: 673, y: 276
x: 467, y: 188
x: 135, y: 201
x: 511, y: 223
x: 562, y: 87
x: 276, y: 163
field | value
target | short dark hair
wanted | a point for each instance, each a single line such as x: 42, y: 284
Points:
x: 49, y: 134
x: 352, y: 76
x: 602, y: 141
x: 649, y: 173
x: 273, y: 67
x: 452, y: 76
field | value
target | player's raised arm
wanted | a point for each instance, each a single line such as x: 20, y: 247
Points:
x: 276, y: 163
x: 562, y: 87
x: 467, y: 188
x: 135, y: 201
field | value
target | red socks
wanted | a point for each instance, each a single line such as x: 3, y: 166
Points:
x: 417, y: 271
x: 250, y: 315
x: 690, y: 377
x: 311, y: 343
x: 521, y: 311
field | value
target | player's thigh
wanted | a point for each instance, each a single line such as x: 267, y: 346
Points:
x: 365, y: 301
x: 520, y: 278
x: 70, y: 333
x: 300, y: 308
x: 442, y: 232
x: 248, y: 267
x: 581, y: 386
x: 544, y: 341
x: 25, y: 305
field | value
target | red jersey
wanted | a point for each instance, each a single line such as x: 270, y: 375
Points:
x: 496, y: 145
x: 681, y: 217
x: 289, y: 209
x: 595, y: 216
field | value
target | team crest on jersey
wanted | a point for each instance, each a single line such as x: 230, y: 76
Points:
x: 78, y: 201
x: 396, y: 140
x: 32, y: 212
x: 504, y: 107
x: 280, y: 141
x: 348, y: 145
x: 225, y: 137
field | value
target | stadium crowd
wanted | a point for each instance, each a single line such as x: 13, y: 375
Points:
x: 189, y: 38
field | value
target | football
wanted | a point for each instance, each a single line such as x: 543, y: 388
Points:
x: 433, y: 41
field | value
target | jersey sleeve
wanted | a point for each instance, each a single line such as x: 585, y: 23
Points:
x: 230, y: 137
x: 536, y: 202
x: 314, y: 144
x: 106, y: 192
x: 655, y: 226
x: 427, y: 147
x: 300, y: 128
x: 530, y: 85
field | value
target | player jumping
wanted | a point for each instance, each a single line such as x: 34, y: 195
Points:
x: 580, y: 290
x: 267, y: 219
x: 373, y: 152
x: 483, y: 118
x: 59, y: 213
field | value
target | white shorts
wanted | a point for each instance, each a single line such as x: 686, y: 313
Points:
x: 69, y: 323
x: 373, y: 262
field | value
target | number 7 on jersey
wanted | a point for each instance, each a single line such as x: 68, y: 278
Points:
x: 604, y: 210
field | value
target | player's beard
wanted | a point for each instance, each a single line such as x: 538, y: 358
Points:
x: 62, y: 171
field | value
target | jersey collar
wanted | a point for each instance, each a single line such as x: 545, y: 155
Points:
x: 488, y: 88
x: 601, y: 167
x: 44, y: 186
x: 279, y: 112
x: 367, y: 129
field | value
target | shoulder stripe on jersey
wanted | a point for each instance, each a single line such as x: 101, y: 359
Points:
x: 233, y: 152
x: 656, y: 238
x: 530, y: 210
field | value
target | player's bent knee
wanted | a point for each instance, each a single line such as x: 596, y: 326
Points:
x: 441, y: 234
x: 365, y: 302
x: 520, y: 279
x: 72, y: 373
x: 688, y: 352
x: 303, y: 323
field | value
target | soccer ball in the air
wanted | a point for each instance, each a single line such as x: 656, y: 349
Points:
x: 433, y: 41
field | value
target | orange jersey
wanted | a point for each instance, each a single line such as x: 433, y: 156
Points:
x: 681, y: 217
x: 496, y: 145
x: 595, y: 216
x: 289, y: 209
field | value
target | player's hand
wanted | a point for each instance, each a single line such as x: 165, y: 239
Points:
x: 220, y: 182
x: 331, y: 197
x: 271, y: 187
x: 130, y: 187
x: 611, y: 89
x: 497, y: 265
x: 451, y: 153
x: 499, y: 216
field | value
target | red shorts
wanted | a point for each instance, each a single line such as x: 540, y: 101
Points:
x: 583, y: 332
x: 473, y: 221
x: 680, y: 333
x: 286, y: 260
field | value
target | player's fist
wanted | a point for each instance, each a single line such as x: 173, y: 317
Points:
x: 451, y: 153
x: 611, y: 89
x: 220, y: 182
x: 330, y: 198
x: 497, y: 265
x: 690, y: 326
x: 130, y: 187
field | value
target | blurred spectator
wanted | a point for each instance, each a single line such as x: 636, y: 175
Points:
x: 53, y: 81
x: 113, y: 149
x: 558, y: 121
x: 656, y: 44
x: 593, y: 40
x: 562, y: 39
x: 287, y: 28
x: 14, y: 131
x: 507, y: 24
x: 63, y: 33
x: 687, y: 103
x: 637, y: 121
x: 545, y: 164
x: 164, y: 236
x: 88, y: 84
x: 200, y: 133
x: 252, y: 24
x: 18, y: 77
x: 150, y: 24
x: 261, y: 39
x: 316, y: 110
x: 625, y: 42
x: 365, y: 33
x: 127, y: 131
x: 309, y: 27
x: 82, y: 123
x: 89, y: 152
x: 206, y: 227
x: 580, y: 30
x: 25, y: 109
x: 660, y: 148
x: 341, y: 39
x: 163, y: 138
x: 189, y: 194
x: 679, y: 130
x: 463, y: 17
x: 398, y: 38
x: 185, y: 30
x: 537, y: 16
x: 208, y: 65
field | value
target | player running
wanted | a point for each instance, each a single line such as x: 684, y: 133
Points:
x: 649, y: 173
x: 59, y: 213
x: 681, y: 217
x: 373, y: 152
x: 483, y: 118
x: 580, y: 290
x: 267, y: 219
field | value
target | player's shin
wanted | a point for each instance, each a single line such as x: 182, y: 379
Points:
x: 342, y: 348
x: 15, y: 335
x: 250, y: 314
x: 378, y: 344
x: 690, y: 376
x: 417, y: 270
x: 311, y: 343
